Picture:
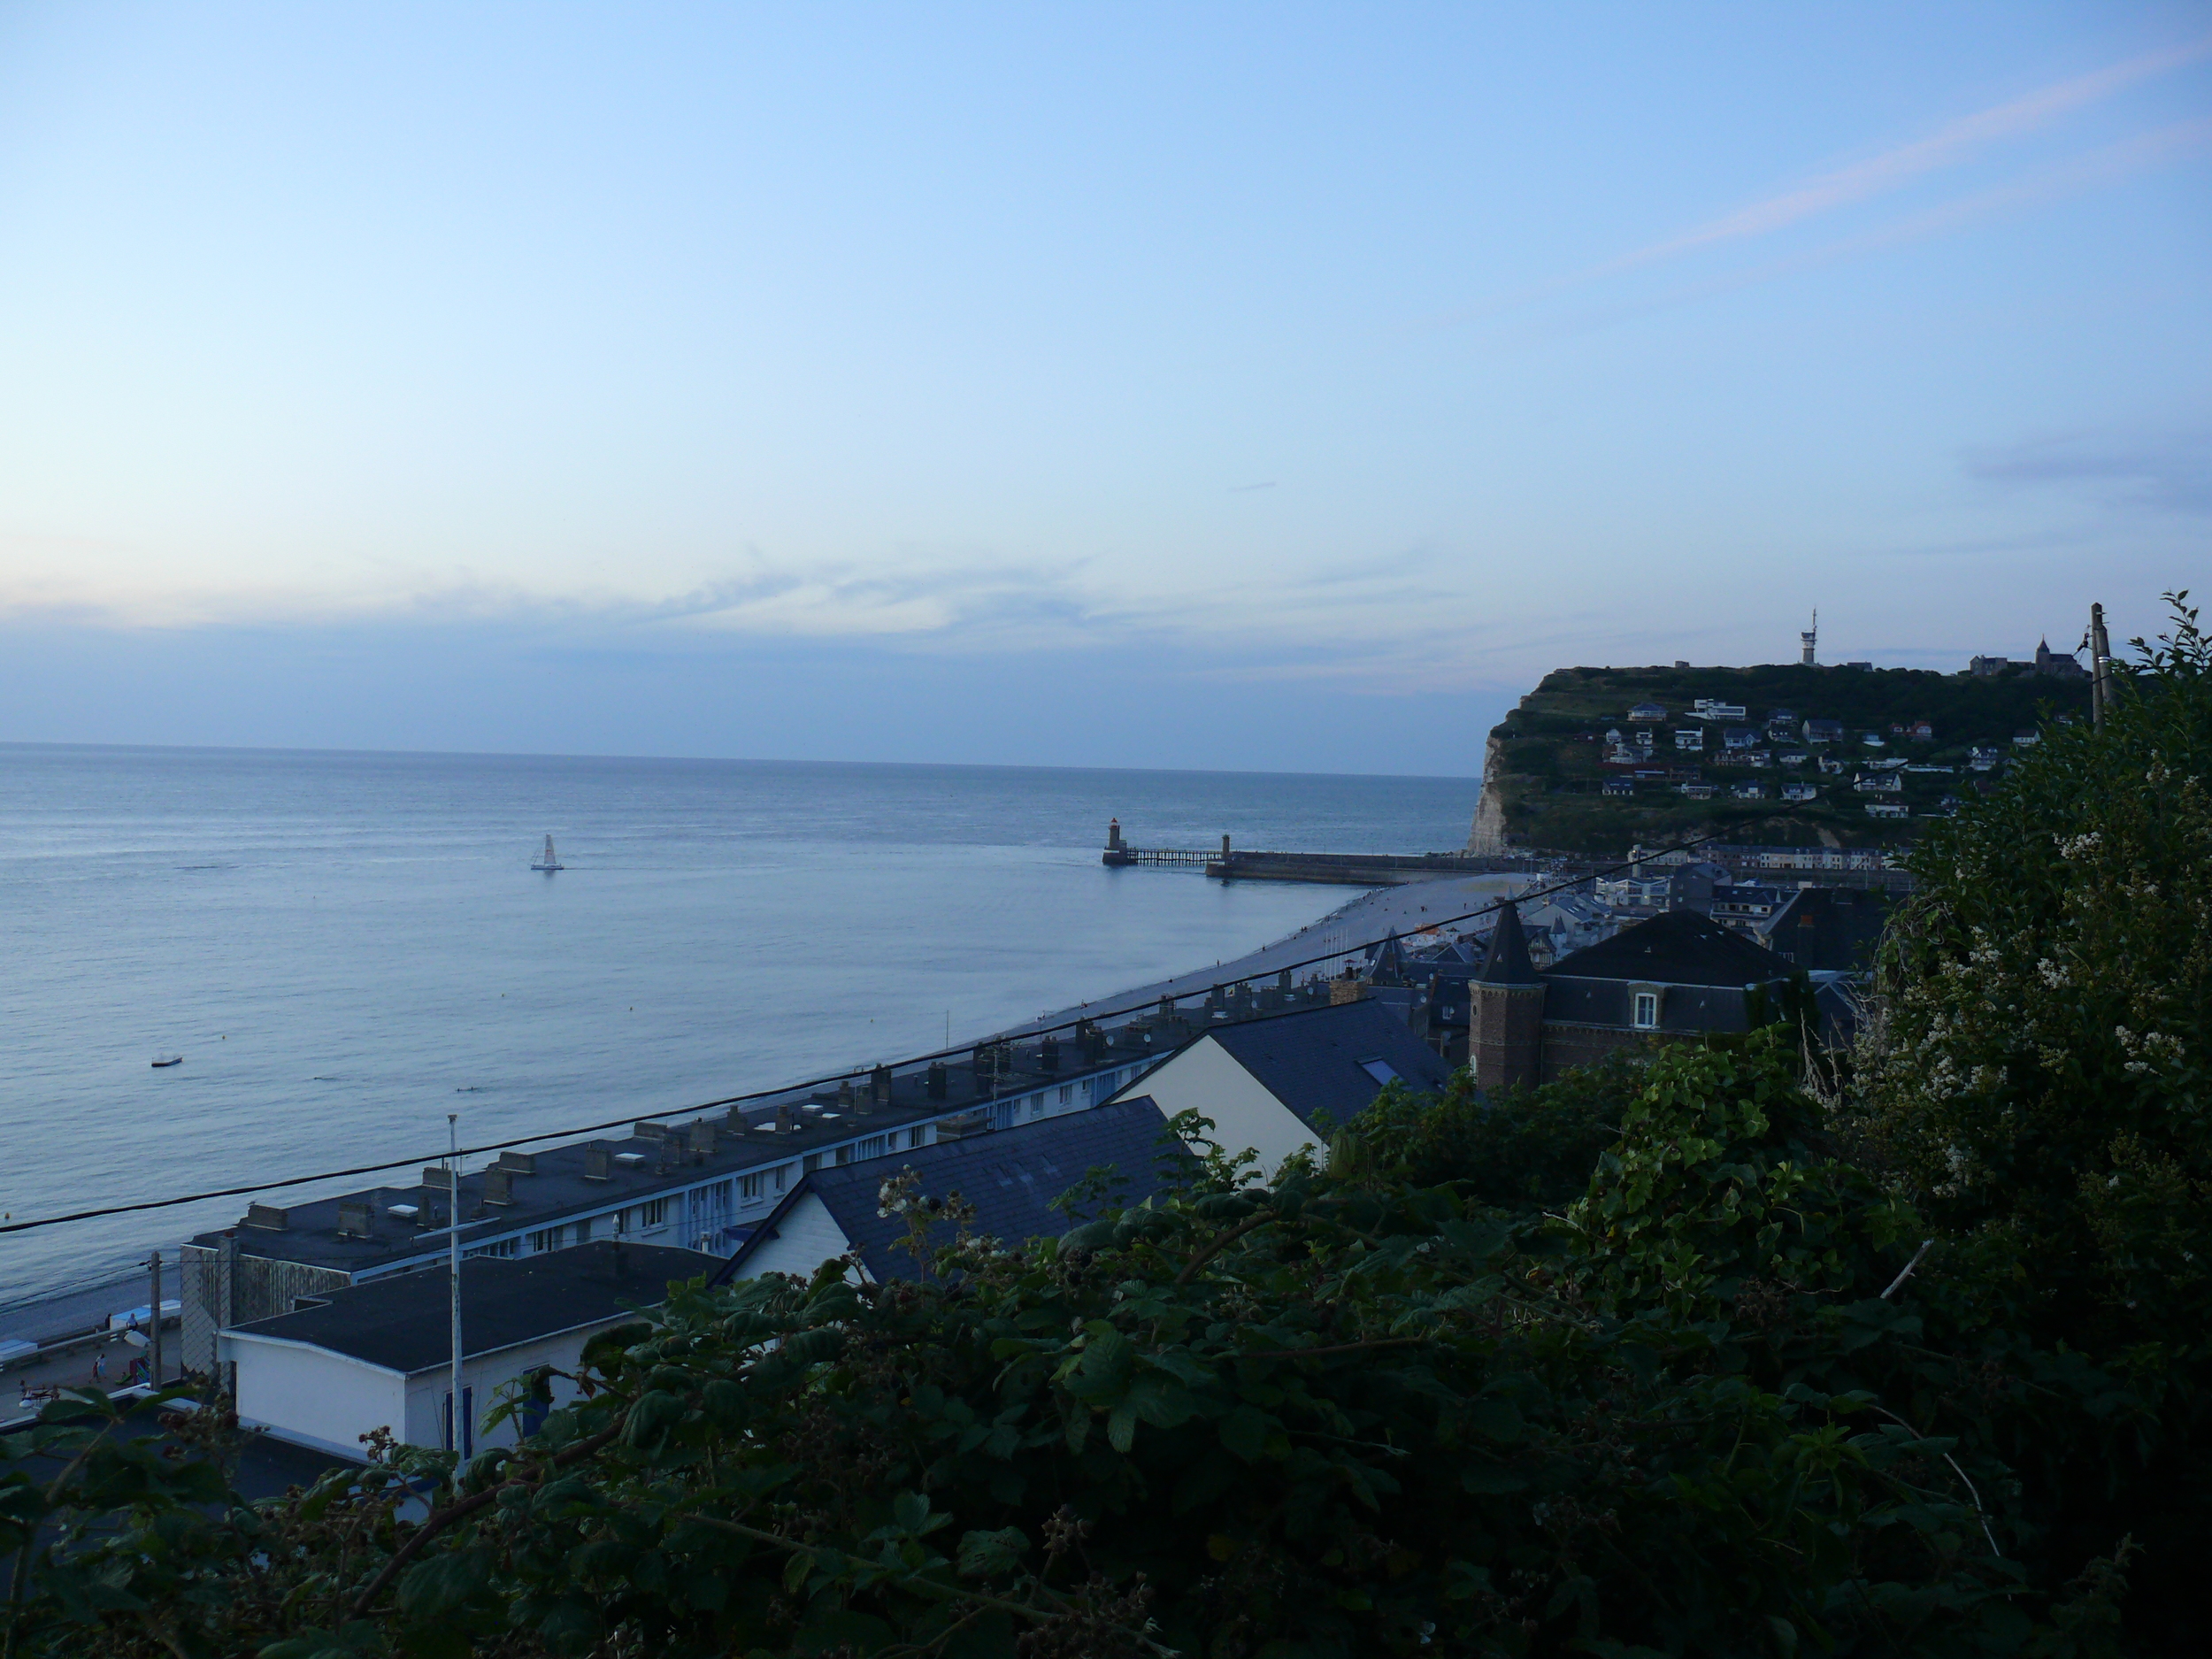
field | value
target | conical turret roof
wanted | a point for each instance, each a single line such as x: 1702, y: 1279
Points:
x: 1388, y: 966
x: 1507, y: 962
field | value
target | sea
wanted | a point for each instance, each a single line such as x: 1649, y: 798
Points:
x: 345, y: 947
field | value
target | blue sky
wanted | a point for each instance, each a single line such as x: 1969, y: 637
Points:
x: 1275, y: 386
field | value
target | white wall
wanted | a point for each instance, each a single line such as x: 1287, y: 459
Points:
x: 806, y: 1237
x: 312, y: 1396
x: 315, y: 1397
x: 1206, y: 1079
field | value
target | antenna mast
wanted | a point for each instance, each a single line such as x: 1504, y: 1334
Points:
x: 458, y: 1417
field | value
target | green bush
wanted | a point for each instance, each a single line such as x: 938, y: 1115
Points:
x: 1670, y: 1357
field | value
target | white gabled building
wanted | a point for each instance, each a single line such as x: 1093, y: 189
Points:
x: 1279, y: 1086
x: 380, y: 1355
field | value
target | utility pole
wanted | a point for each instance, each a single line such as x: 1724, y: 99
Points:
x: 453, y: 1266
x: 2100, y: 668
x: 153, y: 1331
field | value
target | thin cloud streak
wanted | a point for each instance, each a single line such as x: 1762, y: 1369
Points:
x: 1950, y: 144
x: 2114, y: 162
x: 1954, y: 142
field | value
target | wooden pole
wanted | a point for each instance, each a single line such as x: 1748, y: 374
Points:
x: 2101, y: 680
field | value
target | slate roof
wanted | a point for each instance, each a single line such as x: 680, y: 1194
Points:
x: 1507, y: 962
x: 1012, y: 1176
x: 1833, y: 929
x: 1387, y: 964
x: 403, y: 1321
x: 1311, y: 1060
x: 1675, y: 948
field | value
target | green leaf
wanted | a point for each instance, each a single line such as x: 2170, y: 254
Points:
x: 796, y: 1570
x: 986, y: 1554
x: 1244, y: 1433
x: 1496, y: 1419
x: 910, y: 1510
x: 1488, y: 1479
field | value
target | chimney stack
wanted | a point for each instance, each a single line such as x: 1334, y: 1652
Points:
x: 499, y: 1184
x: 598, y: 1163
x: 879, y: 1086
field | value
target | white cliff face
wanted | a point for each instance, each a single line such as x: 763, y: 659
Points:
x: 1488, y: 834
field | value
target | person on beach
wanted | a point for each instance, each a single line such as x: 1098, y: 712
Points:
x: 99, y: 1368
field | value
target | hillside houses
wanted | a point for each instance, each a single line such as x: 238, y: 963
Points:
x: 1583, y: 765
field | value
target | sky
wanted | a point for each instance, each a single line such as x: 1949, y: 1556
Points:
x: 1269, y: 386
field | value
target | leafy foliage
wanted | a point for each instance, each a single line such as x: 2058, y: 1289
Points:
x: 1344, y: 1415
x: 2038, y: 1079
x: 1671, y: 1357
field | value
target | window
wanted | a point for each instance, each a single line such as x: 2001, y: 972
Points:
x: 1379, y: 1070
x: 1647, y: 1011
x: 780, y: 1172
x: 749, y: 1189
x: 499, y: 1248
x: 468, y: 1422
x: 1067, y: 1092
x: 548, y: 1240
x: 845, y: 1154
x: 871, y: 1147
x: 1037, y: 1105
x: 653, y: 1213
x: 813, y: 1162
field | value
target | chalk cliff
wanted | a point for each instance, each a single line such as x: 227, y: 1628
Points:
x: 1487, y: 833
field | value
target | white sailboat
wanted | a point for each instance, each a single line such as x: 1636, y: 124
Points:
x: 549, y: 862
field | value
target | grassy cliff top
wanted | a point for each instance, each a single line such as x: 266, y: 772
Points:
x: 1548, y: 765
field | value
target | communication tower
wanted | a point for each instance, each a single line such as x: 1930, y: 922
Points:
x: 1808, y: 640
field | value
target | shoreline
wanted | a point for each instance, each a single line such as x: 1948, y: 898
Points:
x: 1406, y: 907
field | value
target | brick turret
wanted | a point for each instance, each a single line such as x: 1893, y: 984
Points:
x: 1506, y: 1016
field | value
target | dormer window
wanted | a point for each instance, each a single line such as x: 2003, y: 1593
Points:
x: 1647, y: 1011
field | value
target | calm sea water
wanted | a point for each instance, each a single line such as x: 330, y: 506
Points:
x: 346, y: 947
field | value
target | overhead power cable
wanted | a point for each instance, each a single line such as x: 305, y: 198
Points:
x: 791, y: 1088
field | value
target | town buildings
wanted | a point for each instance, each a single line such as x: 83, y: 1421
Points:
x: 334, y: 1367
x: 1678, y: 976
x: 1010, y: 1181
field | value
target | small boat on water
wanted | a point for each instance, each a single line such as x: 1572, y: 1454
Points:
x: 548, y: 862
x: 168, y: 1059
